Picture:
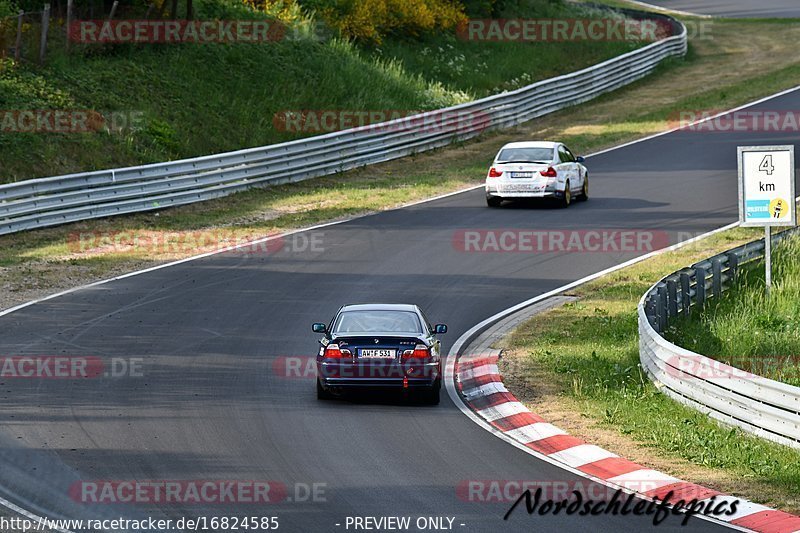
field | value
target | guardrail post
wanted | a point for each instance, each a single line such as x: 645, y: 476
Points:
x: 700, y: 289
x: 686, y: 299
x: 661, y: 308
x: 113, y: 10
x: 68, y: 23
x: 45, y: 27
x: 733, y: 266
x: 672, y: 297
x: 650, y: 310
x: 18, y: 42
x: 716, y: 277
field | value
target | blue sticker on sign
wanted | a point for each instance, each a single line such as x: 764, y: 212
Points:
x: 757, y: 209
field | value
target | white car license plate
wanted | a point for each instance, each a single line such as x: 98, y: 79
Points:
x: 372, y: 353
x: 522, y: 174
x: 520, y: 187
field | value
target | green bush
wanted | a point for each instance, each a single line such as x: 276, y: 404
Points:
x: 7, y: 8
x: 372, y: 20
x: 224, y: 10
x: 8, y: 25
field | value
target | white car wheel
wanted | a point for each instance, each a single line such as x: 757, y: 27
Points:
x: 567, y: 199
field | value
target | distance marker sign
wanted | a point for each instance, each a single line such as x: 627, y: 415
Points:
x: 766, y: 186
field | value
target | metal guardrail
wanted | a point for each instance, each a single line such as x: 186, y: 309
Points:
x: 761, y: 406
x: 57, y: 200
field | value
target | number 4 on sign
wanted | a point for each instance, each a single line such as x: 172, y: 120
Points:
x: 766, y: 165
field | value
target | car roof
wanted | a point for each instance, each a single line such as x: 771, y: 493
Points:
x: 379, y: 307
x: 532, y: 144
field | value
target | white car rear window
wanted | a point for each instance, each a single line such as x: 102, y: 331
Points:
x: 511, y: 155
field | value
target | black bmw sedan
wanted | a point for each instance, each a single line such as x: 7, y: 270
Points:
x: 380, y: 346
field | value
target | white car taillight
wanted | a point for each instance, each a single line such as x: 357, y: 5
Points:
x: 494, y: 173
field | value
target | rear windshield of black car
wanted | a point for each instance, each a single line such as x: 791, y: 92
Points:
x: 377, y: 321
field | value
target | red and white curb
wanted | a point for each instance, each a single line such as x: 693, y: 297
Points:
x: 481, y: 387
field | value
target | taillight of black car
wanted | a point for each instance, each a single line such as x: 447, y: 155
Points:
x: 420, y: 351
x: 332, y: 351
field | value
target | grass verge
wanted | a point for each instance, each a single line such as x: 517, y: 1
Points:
x: 746, y: 328
x: 578, y: 366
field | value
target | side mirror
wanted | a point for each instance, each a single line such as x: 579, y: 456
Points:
x: 319, y: 328
x: 440, y: 328
x: 580, y: 159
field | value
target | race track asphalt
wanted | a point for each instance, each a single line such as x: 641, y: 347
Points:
x: 734, y: 8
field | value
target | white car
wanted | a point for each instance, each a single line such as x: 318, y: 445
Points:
x: 536, y: 170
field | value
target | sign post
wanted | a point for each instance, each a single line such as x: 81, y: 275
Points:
x: 767, y: 192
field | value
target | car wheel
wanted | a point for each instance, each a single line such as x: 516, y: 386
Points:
x: 493, y: 201
x: 567, y: 199
x: 322, y: 394
x: 433, y: 396
x: 585, y: 191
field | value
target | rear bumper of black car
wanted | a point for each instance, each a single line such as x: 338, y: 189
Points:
x: 344, y: 376
x: 378, y: 383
